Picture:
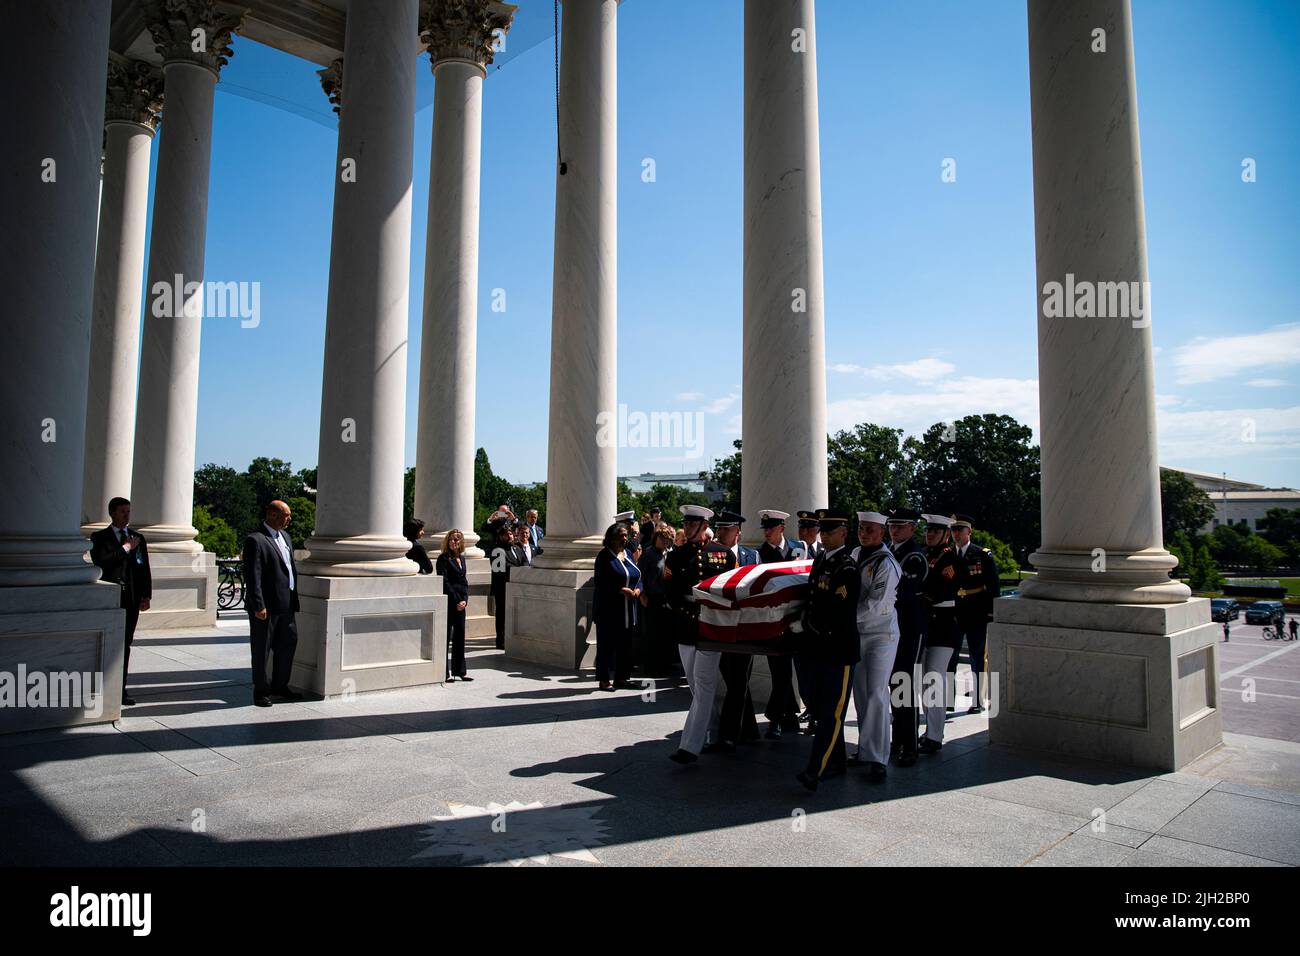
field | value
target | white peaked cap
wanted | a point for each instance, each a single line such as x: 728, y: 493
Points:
x: 871, y: 517
x: 696, y: 511
x: 938, y: 521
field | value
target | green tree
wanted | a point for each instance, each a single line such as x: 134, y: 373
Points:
x: 272, y: 480
x: 725, y: 475
x: 306, y: 477
x: 869, y: 468
x: 1261, y: 556
x: 1206, y: 576
x: 228, y: 495
x: 669, y: 499
x: 984, y: 466
x: 1227, y: 544
x: 1003, y: 556
x: 214, y: 534
x: 1281, y: 527
x: 303, y: 522
x: 408, y: 496
x: 1180, y: 546
x: 1183, y: 506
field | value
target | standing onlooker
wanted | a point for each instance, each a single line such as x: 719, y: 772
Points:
x: 535, y: 532
x: 649, y: 526
x: 659, y: 644
x: 503, y: 556
x: 123, y: 558
x: 679, y: 538
x: 271, y: 599
x: 615, y: 607
x: 411, y: 532
x: 523, y: 545
x: 455, y: 584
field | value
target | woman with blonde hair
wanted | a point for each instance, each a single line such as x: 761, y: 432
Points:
x: 455, y: 584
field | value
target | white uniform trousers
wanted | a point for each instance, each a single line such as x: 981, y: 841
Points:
x: 701, y: 669
x: 871, y: 694
x: 934, y: 690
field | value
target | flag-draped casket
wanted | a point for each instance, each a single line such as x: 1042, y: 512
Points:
x: 750, y: 609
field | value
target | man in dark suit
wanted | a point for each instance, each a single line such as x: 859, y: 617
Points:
x: 123, y: 558
x: 271, y: 599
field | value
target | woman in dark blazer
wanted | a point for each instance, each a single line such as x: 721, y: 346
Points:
x: 615, y: 608
x: 455, y: 584
x: 412, y: 532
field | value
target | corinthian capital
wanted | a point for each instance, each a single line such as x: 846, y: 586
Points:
x: 193, y: 30
x: 135, y: 92
x: 464, y: 29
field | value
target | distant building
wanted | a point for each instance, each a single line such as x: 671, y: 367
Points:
x: 1239, y: 502
x: 690, y: 481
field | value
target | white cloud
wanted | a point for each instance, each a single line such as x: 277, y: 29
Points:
x: 720, y: 405
x: 1187, y: 436
x: 921, y: 370
x: 690, y: 396
x: 1208, y: 359
x: 1267, y: 382
x: 914, y: 412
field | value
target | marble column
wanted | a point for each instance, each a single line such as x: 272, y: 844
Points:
x: 130, y: 119
x: 167, y: 408
x: 783, y: 414
x: 368, y: 619
x: 582, y: 454
x: 460, y: 37
x: 167, y: 401
x: 54, y: 615
x: 1103, y: 656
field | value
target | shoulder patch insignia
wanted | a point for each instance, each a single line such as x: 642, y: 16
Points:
x: 842, y: 591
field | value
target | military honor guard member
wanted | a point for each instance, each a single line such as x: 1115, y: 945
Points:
x: 941, y: 639
x: 806, y: 548
x: 977, y: 586
x: 737, y: 721
x: 830, y: 626
x: 913, y: 622
x: 781, y: 712
x: 685, y: 567
x: 877, y: 621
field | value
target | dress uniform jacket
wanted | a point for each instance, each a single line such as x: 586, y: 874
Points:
x: 684, y: 568
x: 976, y: 583
x: 830, y: 623
x: 941, y: 592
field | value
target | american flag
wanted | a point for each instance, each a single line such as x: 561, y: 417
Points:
x: 757, y: 602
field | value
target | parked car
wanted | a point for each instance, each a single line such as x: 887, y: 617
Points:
x: 1224, y: 609
x: 1265, y: 612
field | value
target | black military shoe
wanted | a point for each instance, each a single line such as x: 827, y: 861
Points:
x: 876, y: 772
x: 773, y: 732
x: 975, y: 709
x: 683, y: 757
x: 262, y: 701
x: 907, y: 758
x: 807, y: 779
x: 128, y: 701
x: 928, y: 746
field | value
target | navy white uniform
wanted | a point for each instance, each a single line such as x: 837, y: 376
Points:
x: 877, y: 624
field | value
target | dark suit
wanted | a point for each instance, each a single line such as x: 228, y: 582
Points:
x: 455, y: 584
x: 737, y: 722
x: 128, y: 570
x: 266, y: 587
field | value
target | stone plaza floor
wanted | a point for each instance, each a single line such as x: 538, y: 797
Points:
x: 530, y: 767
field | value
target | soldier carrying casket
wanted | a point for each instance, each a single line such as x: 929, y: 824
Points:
x: 830, y: 626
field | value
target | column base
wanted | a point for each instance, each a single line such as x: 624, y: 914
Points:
x: 361, y: 634
x: 184, y: 591
x: 1133, y: 684
x: 1133, y: 577
x: 73, y: 635
x: 548, y: 617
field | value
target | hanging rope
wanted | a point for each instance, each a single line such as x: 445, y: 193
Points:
x: 559, y: 155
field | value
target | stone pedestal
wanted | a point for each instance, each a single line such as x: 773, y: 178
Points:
x: 1135, y: 684
x: 184, y: 591
x: 548, y: 617
x: 72, y: 637
x: 359, y: 634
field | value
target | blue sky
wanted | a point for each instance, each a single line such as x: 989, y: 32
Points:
x: 930, y: 286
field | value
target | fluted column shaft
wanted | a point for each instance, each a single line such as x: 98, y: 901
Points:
x: 55, y: 74
x: 460, y: 38
x: 1101, y: 487
x: 359, y: 499
x: 783, y: 415
x: 582, y: 455
x: 115, y: 318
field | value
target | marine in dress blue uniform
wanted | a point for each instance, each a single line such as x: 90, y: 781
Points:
x: 977, y: 586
